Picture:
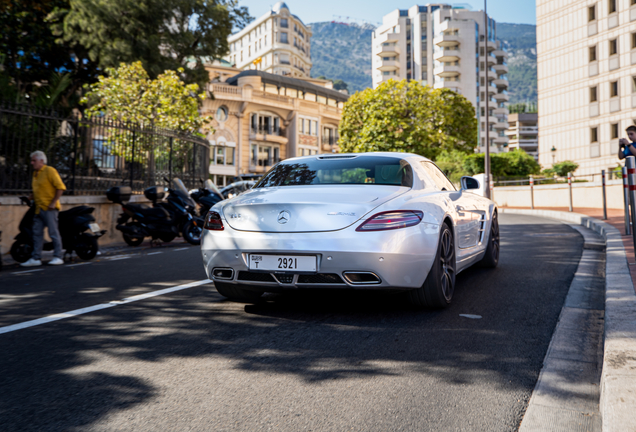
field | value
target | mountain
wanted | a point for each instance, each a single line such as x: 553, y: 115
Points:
x: 342, y: 51
x: 521, y: 42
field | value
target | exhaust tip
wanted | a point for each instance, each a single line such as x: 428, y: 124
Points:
x: 361, y: 278
x: 223, y: 273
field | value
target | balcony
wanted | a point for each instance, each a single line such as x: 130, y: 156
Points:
x: 501, y: 140
x: 492, y: 119
x: 501, y: 97
x: 385, y: 78
x: 452, y: 85
x: 501, y: 111
x: 492, y: 90
x: 501, y: 82
x: 446, y: 40
x: 389, y: 65
x: 501, y: 125
x: 387, y: 37
x: 389, y: 51
x: 500, y: 53
x: 446, y: 55
x: 491, y: 60
x: 492, y: 45
x: 500, y: 68
x: 446, y: 71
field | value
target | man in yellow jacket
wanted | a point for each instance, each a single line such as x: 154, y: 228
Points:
x: 47, y: 191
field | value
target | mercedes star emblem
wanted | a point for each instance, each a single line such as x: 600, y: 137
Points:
x: 283, y: 217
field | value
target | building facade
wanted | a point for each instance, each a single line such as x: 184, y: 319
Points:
x: 523, y: 133
x: 260, y: 118
x: 586, y: 78
x: 443, y: 46
x: 277, y: 43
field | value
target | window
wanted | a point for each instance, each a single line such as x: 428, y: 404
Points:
x: 633, y: 39
x: 222, y: 155
x: 594, y: 134
x: 221, y: 114
x: 614, y: 131
x: 634, y: 84
x: 265, y: 124
x: 613, y: 46
x: 591, y: 13
x: 593, y: 94
x: 438, y: 177
x: 612, y: 6
x: 284, y: 23
x: 614, y: 89
x: 264, y: 155
x: 283, y: 37
x: 592, y: 51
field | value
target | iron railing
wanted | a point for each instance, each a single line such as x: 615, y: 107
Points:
x: 93, y: 155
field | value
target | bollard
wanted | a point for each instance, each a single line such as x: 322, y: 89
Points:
x: 604, y: 196
x: 570, y: 187
x: 626, y: 202
x: 630, y: 163
x: 532, y: 192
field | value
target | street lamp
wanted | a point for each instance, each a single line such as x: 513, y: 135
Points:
x: 553, y: 152
x: 486, y: 97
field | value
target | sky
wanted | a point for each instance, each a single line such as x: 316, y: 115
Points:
x: 372, y: 11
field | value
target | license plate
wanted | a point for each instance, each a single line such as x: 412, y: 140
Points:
x: 94, y: 227
x: 283, y: 263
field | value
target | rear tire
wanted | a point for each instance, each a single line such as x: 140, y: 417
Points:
x: 87, y: 247
x: 133, y: 241
x: 439, y: 286
x: 491, y: 257
x: 236, y: 293
x: 21, y: 251
x: 192, y: 233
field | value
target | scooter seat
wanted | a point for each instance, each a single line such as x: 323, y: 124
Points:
x: 76, y: 211
x: 150, y: 212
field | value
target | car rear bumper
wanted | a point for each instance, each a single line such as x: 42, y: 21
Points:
x: 398, y: 259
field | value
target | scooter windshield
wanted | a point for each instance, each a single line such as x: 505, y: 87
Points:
x: 210, y: 186
x: 179, y: 188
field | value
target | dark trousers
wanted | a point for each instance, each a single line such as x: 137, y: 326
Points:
x: 46, y: 219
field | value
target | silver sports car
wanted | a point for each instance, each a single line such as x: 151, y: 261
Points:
x: 389, y: 221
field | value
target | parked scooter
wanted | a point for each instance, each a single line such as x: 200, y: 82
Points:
x: 164, y: 221
x: 77, y: 227
x: 206, y: 196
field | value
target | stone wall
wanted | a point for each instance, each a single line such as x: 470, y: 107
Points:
x: 106, y: 214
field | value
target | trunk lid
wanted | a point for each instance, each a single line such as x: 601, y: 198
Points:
x: 311, y: 208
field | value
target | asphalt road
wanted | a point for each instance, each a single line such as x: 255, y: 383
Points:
x: 322, y: 361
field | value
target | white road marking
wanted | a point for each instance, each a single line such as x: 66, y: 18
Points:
x: 89, y: 309
x: 78, y: 264
x: 27, y: 271
x: 118, y: 258
x: 470, y: 316
x: 154, y: 253
x: 181, y: 249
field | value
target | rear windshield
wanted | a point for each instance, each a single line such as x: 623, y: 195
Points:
x: 366, y: 170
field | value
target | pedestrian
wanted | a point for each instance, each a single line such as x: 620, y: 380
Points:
x: 627, y: 148
x: 47, y: 191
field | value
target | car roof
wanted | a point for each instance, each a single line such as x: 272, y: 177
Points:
x: 326, y: 156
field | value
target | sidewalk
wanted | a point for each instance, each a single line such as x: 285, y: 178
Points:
x: 615, y: 217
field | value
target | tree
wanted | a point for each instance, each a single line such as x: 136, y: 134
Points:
x: 31, y: 58
x: 128, y: 94
x: 405, y: 116
x: 178, y: 34
x: 337, y: 84
x: 563, y: 168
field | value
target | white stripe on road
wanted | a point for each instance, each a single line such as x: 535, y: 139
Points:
x: 181, y: 249
x: 27, y: 271
x: 82, y: 311
x: 78, y: 264
x: 154, y: 253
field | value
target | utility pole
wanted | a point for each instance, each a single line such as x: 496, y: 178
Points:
x: 486, y: 97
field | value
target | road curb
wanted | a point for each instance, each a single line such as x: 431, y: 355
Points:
x: 618, y: 379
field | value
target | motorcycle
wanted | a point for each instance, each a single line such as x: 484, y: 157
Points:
x: 206, y: 196
x: 77, y: 227
x: 163, y: 221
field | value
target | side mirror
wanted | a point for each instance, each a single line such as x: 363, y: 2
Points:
x: 469, y: 183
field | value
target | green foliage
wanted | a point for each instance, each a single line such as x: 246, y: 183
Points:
x: 127, y: 94
x: 520, y: 39
x: 337, y: 84
x: 565, y: 167
x: 181, y: 34
x: 342, y: 52
x: 452, y: 163
x: 515, y: 163
x: 405, y: 116
x: 523, y: 108
x: 31, y: 58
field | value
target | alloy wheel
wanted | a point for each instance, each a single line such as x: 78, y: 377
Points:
x: 447, y: 261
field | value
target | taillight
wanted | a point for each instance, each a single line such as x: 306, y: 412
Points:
x: 213, y: 221
x: 391, y: 220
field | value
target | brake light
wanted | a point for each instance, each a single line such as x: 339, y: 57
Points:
x: 213, y: 221
x: 392, y: 220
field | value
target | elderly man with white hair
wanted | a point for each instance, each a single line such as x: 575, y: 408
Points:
x: 47, y: 191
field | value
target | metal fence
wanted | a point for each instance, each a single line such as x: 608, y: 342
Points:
x: 537, y: 180
x: 93, y: 155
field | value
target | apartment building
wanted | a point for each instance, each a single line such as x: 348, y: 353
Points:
x: 443, y: 46
x: 586, y: 60
x: 261, y: 118
x: 523, y: 133
x: 277, y: 42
